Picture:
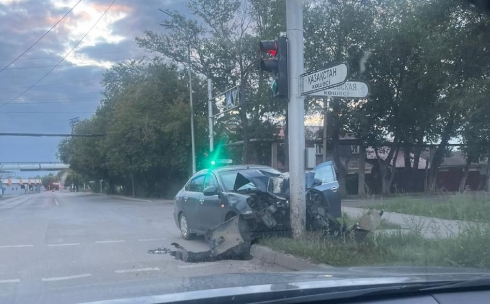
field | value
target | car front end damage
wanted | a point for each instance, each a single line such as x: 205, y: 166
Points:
x: 264, y: 207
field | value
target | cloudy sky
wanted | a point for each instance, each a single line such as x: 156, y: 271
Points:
x: 73, y: 88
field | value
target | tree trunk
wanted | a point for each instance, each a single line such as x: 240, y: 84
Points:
x: 438, y: 156
x: 255, y: 152
x: 427, y: 166
x: 466, y: 170
x: 341, y: 179
x: 342, y: 169
x: 487, y: 177
x: 132, y: 185
x: 361, y: 185
x: 383, y: 166
x: 406, y: 157
x: 385, y: 185
x: 393, y: 171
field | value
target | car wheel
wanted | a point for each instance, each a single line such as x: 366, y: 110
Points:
x: 184, y: 227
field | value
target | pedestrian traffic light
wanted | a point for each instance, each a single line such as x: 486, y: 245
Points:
x: 276, y: 62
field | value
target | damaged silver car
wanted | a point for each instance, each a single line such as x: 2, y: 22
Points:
x: 259, y: 194
x: 232, y: 206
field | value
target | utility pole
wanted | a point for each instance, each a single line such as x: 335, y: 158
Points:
x: 210, y: 114
x: 192, y: 110
x: 132, y: 184
x: 296, y: 125
x: 325, y: 112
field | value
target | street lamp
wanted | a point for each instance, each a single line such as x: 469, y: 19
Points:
x: 189, y: 68
x: 193, y: 144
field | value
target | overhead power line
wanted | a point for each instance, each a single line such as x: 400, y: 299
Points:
x: 40, y: 37
x: 53, y: 84
x: 52, y: 57
x: 73, y: 48
x: 67, y: 101
x: 71, y: 64
x: 45, y: 112
x: 56, y: 100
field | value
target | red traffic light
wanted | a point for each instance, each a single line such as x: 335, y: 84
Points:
x: 269, y: 47
x: 276, y: 63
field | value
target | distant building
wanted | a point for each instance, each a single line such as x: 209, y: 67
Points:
x: 12, y: 186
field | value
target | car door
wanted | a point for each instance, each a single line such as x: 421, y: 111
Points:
x: 191, y: 204
x: 330, y: 186
x: 211, y: 210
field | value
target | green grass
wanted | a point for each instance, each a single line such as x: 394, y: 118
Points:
x: 469, y: 249
x: 455, y: 207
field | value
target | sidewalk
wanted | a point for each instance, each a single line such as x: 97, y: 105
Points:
x: 430, y: 227
x: 372, y: 202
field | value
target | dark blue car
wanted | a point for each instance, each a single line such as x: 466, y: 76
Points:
x: 257, y: 193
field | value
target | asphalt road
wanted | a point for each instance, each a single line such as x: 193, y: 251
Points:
x: 76, y: 247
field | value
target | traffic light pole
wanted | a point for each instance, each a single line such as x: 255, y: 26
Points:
x: 325, y: 125
x: 210, y: 114
x: 192, y: 111
x: 296, y: 134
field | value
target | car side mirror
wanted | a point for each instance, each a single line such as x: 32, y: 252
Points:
x: 210, y: 191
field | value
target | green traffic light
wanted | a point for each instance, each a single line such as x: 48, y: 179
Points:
x: 274, y: 88
x: 213, y: 163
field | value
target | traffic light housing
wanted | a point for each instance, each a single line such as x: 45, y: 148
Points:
x: 276, y: 62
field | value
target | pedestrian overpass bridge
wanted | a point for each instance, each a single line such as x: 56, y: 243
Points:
x: 33, y: 166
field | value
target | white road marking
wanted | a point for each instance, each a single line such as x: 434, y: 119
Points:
x: 16, y: 246
x: 149, y: 240
x: 67, y: 277
x: 137, y: 270
x: 56, y: 202
x: 16, y: 202
x: 196, y: 265
x: 10, y: 281
x: 115, y: 241
x: 67, y: 244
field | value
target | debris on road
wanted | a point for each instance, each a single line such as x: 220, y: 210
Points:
x: 199, y: 257
x: 159, y: 251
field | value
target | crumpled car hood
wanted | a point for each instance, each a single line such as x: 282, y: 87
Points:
x: 259, y: 178
x: 266, y: 182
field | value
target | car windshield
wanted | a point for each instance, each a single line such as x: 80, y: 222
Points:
x: 229, y: 177
x: 356, y: 132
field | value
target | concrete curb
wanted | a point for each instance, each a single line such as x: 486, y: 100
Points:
x: 267, y: 255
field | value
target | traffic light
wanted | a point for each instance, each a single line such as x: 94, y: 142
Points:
x: 277, y: 63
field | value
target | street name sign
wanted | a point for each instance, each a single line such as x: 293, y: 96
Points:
x: 350, y: 89
x: 324, y: 79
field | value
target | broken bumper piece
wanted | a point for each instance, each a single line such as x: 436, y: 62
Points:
x: 233, y: 235
x: 228, y: 241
